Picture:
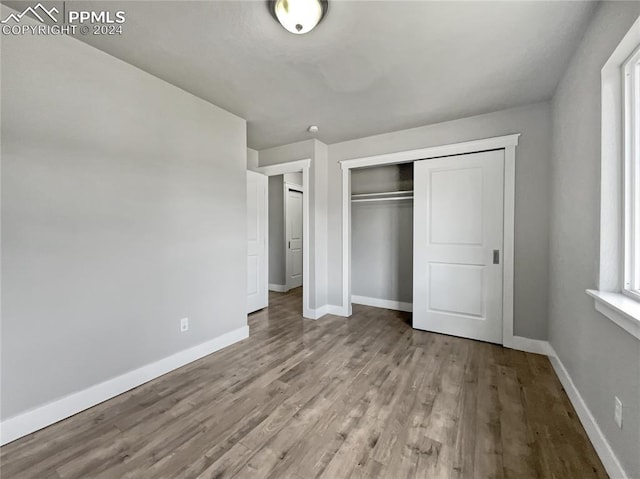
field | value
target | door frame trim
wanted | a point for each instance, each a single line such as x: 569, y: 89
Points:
x: 294, y: 167
x: 300, y: 189
x: 507, y: 143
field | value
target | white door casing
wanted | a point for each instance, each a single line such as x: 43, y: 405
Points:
x: 257, y: 224
x: 506, y: 143
x: 458, y: 236
x: 293, y: 236
x: 303, y: 165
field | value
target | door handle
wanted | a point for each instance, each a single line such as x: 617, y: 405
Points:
x: 289, y: 244
x: 496, y: 256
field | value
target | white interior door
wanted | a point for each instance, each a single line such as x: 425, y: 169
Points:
x: 257, y: 223
x: 458, y: 231
x: 293, y: 220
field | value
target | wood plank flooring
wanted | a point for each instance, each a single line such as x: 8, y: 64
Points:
x: 365, y: 397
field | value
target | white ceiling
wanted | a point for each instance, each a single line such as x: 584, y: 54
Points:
x: 369, y: 67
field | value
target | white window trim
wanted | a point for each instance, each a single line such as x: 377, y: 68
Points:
x: 631, y: 282
x: 620, y: 309
x: 610, y: 298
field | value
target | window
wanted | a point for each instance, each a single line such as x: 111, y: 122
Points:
x: 631, y: 148
x: 617, y: 295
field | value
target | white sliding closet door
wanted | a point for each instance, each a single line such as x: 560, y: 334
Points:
x: 458, y: 231
x: 257, y: 221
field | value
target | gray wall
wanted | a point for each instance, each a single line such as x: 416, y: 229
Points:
x: 602, y: 359
x: 252, y: 159
x: 293, y: 178
x: 532, y: 197
x: 123, y: 210
x: 382, y: 235
x: 282, y: 154
x: 277, y: 265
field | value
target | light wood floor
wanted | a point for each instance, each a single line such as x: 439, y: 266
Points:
x: 363, y: 397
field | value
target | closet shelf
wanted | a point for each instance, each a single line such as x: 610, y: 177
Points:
x: 384, y: 196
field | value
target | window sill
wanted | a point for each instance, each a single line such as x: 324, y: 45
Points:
x: 620, y: 309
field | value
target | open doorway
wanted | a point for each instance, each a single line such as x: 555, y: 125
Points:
x: 286, y: 232
x: 288, y: 225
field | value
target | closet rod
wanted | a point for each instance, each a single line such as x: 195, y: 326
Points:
x: 388, y: 198
x: 383, y: 194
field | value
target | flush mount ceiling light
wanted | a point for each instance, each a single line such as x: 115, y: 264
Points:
x: 298, y: 16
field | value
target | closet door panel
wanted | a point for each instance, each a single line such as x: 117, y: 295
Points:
x: 456, y: 289
x: 456, y: 206
x: 458, y: 222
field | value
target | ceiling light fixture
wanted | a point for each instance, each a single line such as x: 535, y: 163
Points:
x: 298, y: 16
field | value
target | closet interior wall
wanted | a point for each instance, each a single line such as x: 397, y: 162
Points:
x: 382, y: 233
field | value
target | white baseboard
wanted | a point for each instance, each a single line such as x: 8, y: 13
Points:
x: 43, y: 416
x: 382, y: 303
x: 597, y: 438
x: 336, y: 310
x: 324, y: 310
x: 536, y: 346
x: 278, y: 288
x: 316, y: 313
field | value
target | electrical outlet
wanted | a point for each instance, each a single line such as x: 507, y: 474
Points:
x: 184, y: 325
x: 617, y: 415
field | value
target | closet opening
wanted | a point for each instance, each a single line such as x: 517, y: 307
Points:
x: 431, y: 230
x: 382, y: 236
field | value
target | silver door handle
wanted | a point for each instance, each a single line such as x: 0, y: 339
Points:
x: 496, y: 256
